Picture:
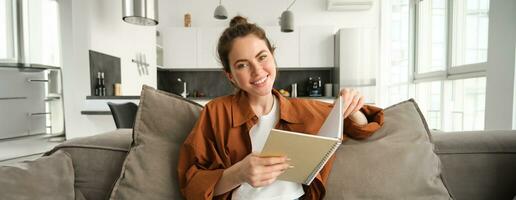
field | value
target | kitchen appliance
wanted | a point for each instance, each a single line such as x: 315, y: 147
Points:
x: 293, y: 92
x: 314, y: 87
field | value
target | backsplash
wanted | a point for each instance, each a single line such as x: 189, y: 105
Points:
x: 110, y: 65
x: 214, y: 83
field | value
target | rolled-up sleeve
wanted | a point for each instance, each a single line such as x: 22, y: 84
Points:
x: 374, y: 117
x: 200, y: 166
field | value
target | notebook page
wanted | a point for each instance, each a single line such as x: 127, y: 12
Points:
x: 333, y: 125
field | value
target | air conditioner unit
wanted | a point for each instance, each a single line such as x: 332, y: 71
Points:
x: 349, y: 5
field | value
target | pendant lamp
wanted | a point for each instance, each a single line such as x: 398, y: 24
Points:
x: 140, y: 12
x: 220, y: 12
x: 287, y: 20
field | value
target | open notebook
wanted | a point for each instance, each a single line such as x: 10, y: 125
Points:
x: 308, y: 153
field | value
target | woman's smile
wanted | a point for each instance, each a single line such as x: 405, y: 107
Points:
x: 260, y: 82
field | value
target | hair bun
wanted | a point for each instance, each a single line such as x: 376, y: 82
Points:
x: 237, y: 20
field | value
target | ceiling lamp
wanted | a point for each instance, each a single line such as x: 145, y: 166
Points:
x: 140, y: 12
x: 220, y: 12
x: 287, y: 20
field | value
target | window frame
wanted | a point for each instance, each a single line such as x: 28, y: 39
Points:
x: 451, y: 72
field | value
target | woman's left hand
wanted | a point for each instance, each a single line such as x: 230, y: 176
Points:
x: 353, y: 101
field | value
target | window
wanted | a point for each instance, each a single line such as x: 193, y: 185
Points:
x: 467, y: 104
x: 435, y: 52
x: 470, y: 31
x: 6, y: 31
x: 428, y: 96
x: 50, y: 53
x: 431, y: 36
x: 397, y: 74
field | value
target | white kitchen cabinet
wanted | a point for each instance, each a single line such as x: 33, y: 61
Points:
x: 316, y: 46
x: 287, y: 46
x: 179, y: 47
x: 196, y: 48
x: 208, y: 39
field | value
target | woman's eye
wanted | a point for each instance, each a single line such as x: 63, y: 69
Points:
x: 241, y: 65
x: 262, y: 57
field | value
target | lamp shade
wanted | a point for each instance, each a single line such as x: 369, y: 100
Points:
x: 287, y: 21
x: 140, y: 12
x: 220, y: 12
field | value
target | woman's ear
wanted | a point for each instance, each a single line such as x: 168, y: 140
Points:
x: 230, y: 77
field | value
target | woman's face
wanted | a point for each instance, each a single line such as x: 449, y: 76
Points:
x: 253, y: 68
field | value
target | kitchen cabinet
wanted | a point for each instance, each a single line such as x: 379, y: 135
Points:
x: 179, y: 47
x: 195, y: 48
x: 287, y: 46
x: 191, y: 48
x: 317, y: 46
x: 22, y: 103
x: 208, y: 39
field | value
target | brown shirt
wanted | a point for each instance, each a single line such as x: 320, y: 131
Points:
x: 220, y: 138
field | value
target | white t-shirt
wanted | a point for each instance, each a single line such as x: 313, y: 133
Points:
x: 279, y: 189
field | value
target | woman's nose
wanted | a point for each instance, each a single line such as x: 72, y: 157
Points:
x: 255, y: 67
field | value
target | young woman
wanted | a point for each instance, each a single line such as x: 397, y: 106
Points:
x: 219, y: 159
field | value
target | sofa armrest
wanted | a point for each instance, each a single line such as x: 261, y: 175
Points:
x: 478, y: 164
x: 97, y: 161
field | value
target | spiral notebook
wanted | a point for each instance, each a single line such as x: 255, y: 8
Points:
x: 308, y: 153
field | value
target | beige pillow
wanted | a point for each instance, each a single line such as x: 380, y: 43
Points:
x: 49, y: 177
x: 162, y: 123
x: 397, y: 162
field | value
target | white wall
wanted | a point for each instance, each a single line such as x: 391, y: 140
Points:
x: 263, y: 12
x: 501, y: 63
x: 98, y: 25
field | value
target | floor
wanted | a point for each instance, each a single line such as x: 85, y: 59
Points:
x: 26, y: 148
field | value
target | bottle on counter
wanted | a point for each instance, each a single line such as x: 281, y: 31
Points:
x: 103, y: 85
x: 98, y: 85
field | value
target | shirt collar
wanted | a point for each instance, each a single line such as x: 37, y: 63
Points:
x: 242, y: 111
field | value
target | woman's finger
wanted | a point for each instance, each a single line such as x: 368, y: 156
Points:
x: 352, y: 106
x: 271, y: 160
x: 359, y: 105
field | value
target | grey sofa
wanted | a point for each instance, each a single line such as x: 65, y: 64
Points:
x: 475, y: 165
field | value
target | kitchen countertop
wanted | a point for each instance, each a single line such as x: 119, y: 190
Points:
x: 97, y: 105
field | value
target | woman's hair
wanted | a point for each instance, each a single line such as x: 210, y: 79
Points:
x: 238, y: 27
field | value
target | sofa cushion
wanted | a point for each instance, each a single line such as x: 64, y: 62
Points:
x: 397, y: 162
x: 48, y: 177
x: 162, y: 123
x: 97, y: 161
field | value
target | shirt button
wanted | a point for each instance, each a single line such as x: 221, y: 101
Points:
x: 255, y: 118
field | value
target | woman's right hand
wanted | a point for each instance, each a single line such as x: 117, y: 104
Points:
x: 261, y: 171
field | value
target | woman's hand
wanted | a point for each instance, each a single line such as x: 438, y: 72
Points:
x: 353, y: 101
x: 255, y: 170
x: 260, y: 171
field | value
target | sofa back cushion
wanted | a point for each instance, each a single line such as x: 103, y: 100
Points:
x: 396, y: 162
x: 97, y: 161
x: 478, y: 164
x: 48, y: 177
x: 162, y: 123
